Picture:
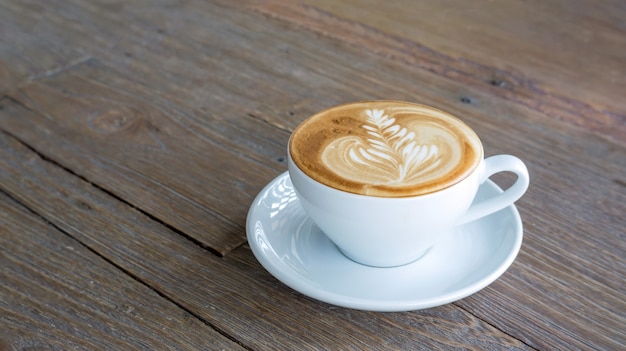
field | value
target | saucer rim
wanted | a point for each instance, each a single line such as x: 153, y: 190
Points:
x: 380, y: 305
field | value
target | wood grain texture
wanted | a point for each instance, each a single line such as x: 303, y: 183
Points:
x: 151, y: 154
x: 22, y: 55
x: 58, y: 295
x: 150, y: 101
x: 511, y: 49
x: 545, y: 70
x: 235, y: 294
x: 571, y: 266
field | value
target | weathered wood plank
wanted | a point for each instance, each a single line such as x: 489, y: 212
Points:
x: 23, y: 53
x: 147, y: 152
x: 233, y: 293
x: 572, y: 264
x: 575, y: 72
x: 294, y: 66
x: 57, y: 294
x: 549, y: 237
x: 212, y: 77
x: 130, y: 33
x: 215, y: 64
x: 199, y: 80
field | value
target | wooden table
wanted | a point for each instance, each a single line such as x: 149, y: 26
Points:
x: 135, y: 135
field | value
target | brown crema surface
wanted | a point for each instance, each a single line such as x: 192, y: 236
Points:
x: 385, y: 148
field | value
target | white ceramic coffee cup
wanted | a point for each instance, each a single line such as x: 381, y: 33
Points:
x: 393, y: 231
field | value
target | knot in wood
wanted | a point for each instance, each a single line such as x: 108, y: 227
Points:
x: 117, y: 119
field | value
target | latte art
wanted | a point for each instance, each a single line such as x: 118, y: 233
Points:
x: 391, y: 153
x: 385, y: 148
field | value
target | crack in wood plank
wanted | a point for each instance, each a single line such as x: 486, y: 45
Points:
x: 56, y: 70
x: 111, y: 194
x: 152, y: 112
x: 108, y: 261
x: 229, y: 294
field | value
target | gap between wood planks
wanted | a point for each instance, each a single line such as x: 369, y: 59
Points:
x: 137, y: 278
x: 269, y: 123
x: 459, y: 306
x: 147, y: 214
x: 108, y: 261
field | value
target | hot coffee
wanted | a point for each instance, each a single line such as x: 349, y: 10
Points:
x: 385, y: 148
x: 386, y: 180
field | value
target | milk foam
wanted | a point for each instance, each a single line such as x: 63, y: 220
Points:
x: 385, y: 148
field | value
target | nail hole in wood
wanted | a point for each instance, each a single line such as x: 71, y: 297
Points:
x: 466, y: 100
x: 84, y: 205
x: 497, y: 82
x: 619, y: 182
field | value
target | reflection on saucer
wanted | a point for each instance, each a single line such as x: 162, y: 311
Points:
x: 275, y: 200
x: 291, y: 247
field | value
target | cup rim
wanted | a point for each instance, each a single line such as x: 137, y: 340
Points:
x: 468, y: 174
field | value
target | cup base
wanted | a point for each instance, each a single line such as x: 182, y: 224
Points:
x: 386, y: 263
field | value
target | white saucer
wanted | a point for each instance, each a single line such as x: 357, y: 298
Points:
x: 291, y: 247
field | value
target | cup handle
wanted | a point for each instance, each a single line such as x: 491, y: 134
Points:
x: 492, y: 165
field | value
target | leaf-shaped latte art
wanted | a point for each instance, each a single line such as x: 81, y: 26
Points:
x: 386, y: 153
